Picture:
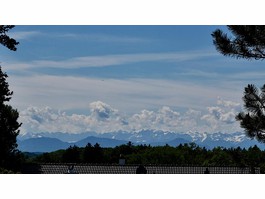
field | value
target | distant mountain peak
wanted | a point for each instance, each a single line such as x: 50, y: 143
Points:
x: 152, y: 137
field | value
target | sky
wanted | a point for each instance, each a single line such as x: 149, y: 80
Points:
x: 110, y: 78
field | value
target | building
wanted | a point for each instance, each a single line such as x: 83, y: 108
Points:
x: 53, y: 168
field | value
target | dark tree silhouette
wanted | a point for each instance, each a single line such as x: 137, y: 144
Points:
x: 88, y: 153
x: 253, y: 121
x: 93, y: 154
x: 98, y: 153
x: 5, y: 93
x: 8, y: 123
x: 71, y: 155
x: 248, y: 42
x: 5, y: 40
x: 8, y: 116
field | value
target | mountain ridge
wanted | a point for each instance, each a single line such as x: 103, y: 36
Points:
x: 34, y: 143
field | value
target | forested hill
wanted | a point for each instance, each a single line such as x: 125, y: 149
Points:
x: 182, y: 155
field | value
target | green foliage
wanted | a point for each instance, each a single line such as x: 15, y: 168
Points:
x: 5, y: 93
x: 9, y: 126
x: 182, y: 155
x: 72, y: 155
x: 55, y: 157
x: 10, y: 158
x: 6, y: 171
x: 247, y: 42
x: 92, y: 154
x: 253, y: 120
x: 5, y: 40
x: 220, y: 157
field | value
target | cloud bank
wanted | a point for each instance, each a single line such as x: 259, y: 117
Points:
x: 103, y: 118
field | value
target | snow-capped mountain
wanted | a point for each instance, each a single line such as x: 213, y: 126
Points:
x: 152, y: 137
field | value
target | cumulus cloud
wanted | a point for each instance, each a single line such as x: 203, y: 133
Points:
x: 101, y: 110
x: 229, y: 104
x: 223, y: 115
x: 163, y: 119
x: 48, y: 120
x: 102, y: 117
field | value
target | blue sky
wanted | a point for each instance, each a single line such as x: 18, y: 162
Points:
x: 125, y: 78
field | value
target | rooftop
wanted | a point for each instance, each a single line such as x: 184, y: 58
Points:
x: 53, y: 168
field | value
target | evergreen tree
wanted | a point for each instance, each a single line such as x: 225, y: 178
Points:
x: 71, y: 155
x: 8, y: 116
x: 9, y: 126
x: 87, y: 155
x: 93, y: 154
x: 5, y: 40
x: 253, y: 121
x: 98, y: 154
x: 248, y: 42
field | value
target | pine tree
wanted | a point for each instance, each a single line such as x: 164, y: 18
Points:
x: 248, y: 42
x: 9, y: 126
x: 5, y: 40
x: 253, y: 121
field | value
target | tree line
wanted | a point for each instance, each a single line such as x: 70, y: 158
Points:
x: 181, y: 155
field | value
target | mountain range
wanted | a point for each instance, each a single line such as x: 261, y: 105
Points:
x: 47, y: 142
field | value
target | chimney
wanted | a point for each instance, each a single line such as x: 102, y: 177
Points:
x: 121, y: 160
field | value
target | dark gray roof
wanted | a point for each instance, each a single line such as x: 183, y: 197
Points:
x: 131, y: 169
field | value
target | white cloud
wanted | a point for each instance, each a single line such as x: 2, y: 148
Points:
x: 21, y: 35
x: 101, y: 110
x: 101, y: 38
x: 108, y: 60
x: 139, y: 104
x: 229, y: 104
x: 101, y: 117
x: 223, y: 115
